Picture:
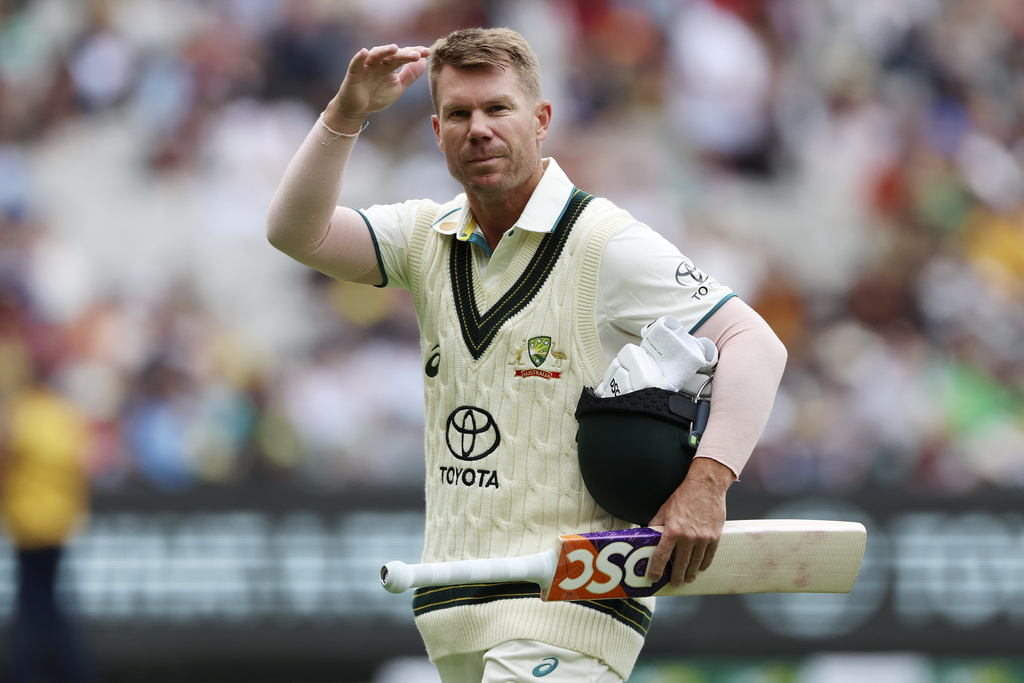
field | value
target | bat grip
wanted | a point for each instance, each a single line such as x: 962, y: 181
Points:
x: 539, y: 568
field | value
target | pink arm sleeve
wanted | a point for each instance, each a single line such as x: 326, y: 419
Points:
x: 304, y: 220
x: 750, y: 365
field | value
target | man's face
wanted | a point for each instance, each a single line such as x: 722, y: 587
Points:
x: 489, y: 131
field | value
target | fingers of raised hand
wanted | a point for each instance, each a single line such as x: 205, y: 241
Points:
x: 387, y: 56
x: 377, y: 77
x: 375, y: 56
x: 406, y: 55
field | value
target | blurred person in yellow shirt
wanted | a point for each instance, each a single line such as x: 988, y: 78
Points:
x: 44, y: 500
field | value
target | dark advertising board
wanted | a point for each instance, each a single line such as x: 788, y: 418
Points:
x: 283, y: 585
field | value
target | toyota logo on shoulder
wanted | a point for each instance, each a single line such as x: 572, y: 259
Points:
x: 686, y: 270
x: 471, y: 433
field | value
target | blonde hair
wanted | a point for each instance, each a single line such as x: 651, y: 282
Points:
x: 475, y: 48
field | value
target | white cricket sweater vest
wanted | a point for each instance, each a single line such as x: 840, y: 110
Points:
x: 504, y: 371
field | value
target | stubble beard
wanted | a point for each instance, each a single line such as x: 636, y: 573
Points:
x: 511, y: 177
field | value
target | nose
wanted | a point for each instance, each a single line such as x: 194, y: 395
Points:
x: 479, y: 126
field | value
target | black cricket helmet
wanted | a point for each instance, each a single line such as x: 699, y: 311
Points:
x: 635, y: 448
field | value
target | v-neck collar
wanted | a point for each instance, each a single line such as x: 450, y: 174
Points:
x: 479, y: 328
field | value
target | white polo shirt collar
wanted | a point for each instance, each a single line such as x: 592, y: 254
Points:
x: 542, y: 212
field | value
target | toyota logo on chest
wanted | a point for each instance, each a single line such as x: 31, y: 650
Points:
x: 471, y: 433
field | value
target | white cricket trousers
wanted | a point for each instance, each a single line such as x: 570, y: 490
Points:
x: 524, y: 661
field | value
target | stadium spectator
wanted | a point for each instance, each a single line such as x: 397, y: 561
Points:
x: 141, y: 142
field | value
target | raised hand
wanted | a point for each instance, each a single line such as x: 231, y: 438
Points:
x: 376, y: 78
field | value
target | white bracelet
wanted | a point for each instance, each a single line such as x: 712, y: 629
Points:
x: 341, y: 135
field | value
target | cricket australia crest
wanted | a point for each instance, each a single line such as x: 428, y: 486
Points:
x: 540, y: 352
x: 538, y: 348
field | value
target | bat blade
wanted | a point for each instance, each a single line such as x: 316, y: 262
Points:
x: 753, y: 556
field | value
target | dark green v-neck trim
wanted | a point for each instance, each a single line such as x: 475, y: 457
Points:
x: 478, y: 331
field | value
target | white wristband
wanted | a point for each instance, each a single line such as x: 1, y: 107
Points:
x: 336, y: 134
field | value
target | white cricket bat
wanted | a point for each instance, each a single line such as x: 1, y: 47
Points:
x: 753, y: 556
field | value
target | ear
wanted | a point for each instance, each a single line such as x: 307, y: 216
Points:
x: 543, y: 119
x: 437, y: 131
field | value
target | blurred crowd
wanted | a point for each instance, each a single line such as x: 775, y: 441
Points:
x: 852, y: 169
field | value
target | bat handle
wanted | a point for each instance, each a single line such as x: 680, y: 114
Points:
x: 539, y: 568
x: 396, y: 576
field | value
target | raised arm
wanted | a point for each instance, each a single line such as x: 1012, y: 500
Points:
x: 304, y: 220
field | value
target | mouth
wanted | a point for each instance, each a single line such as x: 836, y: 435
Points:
x: 483, y: 156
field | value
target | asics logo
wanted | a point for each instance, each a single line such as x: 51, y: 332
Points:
x: 545, y: 667
x: 434, y: 362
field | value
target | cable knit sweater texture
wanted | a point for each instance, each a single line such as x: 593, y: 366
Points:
x: 517, y: 498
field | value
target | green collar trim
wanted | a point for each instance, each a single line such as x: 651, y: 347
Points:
x: 479, y: 329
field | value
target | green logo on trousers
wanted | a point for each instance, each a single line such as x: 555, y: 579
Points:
x: 545, y: 667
